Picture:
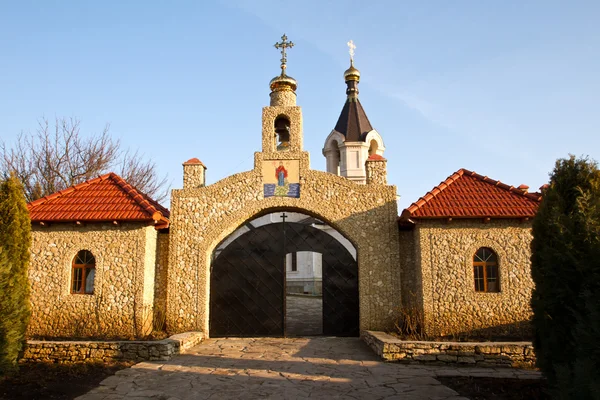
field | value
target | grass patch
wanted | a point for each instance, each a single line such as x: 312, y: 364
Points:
x: 56, y: 381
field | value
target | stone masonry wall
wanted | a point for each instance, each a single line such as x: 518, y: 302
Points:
x: 410, y: 276
x: 376, y: 171
x: 82, y: 351
x: 445, y: 254
x: 201, y: 218
x: 477, y: 354
x: 160, y: 280
x: 193, y: 175
x: 120, y: 305
x: 147, y: 313
x: 286, y: 98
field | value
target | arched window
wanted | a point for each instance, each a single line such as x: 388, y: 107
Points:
x: 373, y: 146
x: 485, y: 271
x: 84, y: 270
x: 335, y: 158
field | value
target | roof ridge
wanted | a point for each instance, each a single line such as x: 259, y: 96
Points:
x: 435, y: 191
x: 366, y: 117
x: 356, y: 118
x: 164, y: 210
x: 136, y: 195
x: 504, y: 186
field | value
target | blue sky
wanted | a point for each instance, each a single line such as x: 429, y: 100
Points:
x: 502, y: 88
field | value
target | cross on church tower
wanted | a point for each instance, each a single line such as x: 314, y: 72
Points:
x: 284, y: 45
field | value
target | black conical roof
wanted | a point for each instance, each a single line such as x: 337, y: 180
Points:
x: 353, y: 122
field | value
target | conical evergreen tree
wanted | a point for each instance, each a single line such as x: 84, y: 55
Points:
x: 565, y: 265
x: 15, y: 242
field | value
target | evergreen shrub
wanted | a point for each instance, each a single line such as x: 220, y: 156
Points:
x: 15, y: 242
x: 565, y: 265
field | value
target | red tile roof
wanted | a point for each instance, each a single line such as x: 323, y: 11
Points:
x: 194, y: 161
x: 106, y: 198
x: 376, y: 157
x: 466, y: 194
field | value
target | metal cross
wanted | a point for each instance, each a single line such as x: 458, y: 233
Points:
x: 283, y: 45
x: 283, y: 217
x: 351, y: 46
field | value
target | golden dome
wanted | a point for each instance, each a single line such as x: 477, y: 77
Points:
x: 352, y: 74
x: 283, y: 82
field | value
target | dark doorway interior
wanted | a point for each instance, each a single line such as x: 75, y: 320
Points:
x: 253, y: 283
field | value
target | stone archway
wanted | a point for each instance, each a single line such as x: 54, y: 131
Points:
x: 274, y: 264
x: 202, y: 217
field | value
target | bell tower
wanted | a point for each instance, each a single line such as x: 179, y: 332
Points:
x: 353, y: 140
x: 282, y: 119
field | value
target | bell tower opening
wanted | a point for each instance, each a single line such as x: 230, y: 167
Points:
x: 282, y: 133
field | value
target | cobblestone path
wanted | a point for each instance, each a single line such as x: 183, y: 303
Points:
x: 304, y: 315
x: 283, y: 368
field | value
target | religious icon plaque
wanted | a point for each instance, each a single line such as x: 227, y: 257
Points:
x: 281, y: 178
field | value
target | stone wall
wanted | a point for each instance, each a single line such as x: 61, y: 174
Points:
x: 160, y: 280
x: 283, y: 98
x: 121, y: 305
x: 81, y: 351
x: 193, y: 174
x: 201, y: 218
x: 376, y: 171
x: 480, y: 354
x: 444, y: 252
x: 410, y: 273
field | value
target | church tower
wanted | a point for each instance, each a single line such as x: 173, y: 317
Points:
x: 353, y: 140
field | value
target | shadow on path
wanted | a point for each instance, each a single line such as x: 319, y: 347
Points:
x: 288, y: 368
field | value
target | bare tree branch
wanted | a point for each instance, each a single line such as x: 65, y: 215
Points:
x: 56, y: 157
x: 143, y: 174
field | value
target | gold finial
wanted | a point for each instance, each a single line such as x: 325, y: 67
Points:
x: 351, y: 74
x: 351, y: 46
x: 284, y: 45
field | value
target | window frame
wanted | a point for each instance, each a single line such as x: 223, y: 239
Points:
x: 86, y: 268
x: 294, y: 267
x: 485, y: 267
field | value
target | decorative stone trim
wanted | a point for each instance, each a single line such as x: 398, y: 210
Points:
x: 138, y: 350
x: 479, y: 354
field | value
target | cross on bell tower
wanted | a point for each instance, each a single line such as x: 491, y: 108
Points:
x: 284, y: 45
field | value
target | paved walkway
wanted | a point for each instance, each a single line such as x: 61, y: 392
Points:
x: 304, y: 315
x: 277, y: 368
